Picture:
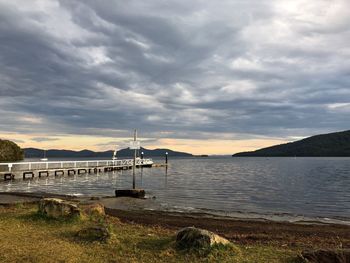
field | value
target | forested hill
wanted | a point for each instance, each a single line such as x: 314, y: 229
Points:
x: 10, y: 151
x: 333, y: 145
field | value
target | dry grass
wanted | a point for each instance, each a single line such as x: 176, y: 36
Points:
x: 26, y: 236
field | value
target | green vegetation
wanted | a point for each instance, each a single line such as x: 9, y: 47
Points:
x: 27, y: 236
x: 10, y: 151
x: 326, y: 145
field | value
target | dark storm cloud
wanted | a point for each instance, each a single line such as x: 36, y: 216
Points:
x: 175, y: 69
x: 43, y: 139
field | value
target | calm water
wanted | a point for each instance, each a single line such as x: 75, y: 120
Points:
x: 310, y: 187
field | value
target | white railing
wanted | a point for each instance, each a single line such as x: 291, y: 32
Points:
x: 28, y: 166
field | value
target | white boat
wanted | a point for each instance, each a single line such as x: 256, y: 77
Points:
x: 114, y: 155
x: 44, y: 159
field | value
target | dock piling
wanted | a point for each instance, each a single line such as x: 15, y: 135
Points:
x: 71, y: 171
x: 80, y: 171
x: 59, y: 172
x: 27, y: 173
x: 9, y: 176
x: 44, y: 172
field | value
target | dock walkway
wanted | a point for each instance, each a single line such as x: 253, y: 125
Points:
x: 10, y: 171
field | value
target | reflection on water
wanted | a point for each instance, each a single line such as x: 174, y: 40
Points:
x: 303, y: 186
x: 166, y: 177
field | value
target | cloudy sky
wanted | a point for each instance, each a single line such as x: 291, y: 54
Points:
x: 211, y: 77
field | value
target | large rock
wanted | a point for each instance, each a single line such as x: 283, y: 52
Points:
x: 58, y: 208
x: 96, y: 233
x: 191, y: 237
x: 327, y: 256
x: 136, y: 193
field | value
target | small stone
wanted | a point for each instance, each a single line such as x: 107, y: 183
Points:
x: 58, y: 208
x: 95, y: 209
x: 97, y: 233
x: 327, y: 256
x: 191, y: 237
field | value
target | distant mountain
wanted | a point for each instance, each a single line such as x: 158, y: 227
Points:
x: 39, y: 153
x: 152, y: 153
x: 326, y: 145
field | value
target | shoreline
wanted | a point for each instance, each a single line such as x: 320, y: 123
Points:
x: 240, y: 230
x: 152, y: 205
x: 245, y: 231
x: 306, y: 234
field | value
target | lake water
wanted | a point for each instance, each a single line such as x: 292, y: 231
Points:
x: 303, y: 188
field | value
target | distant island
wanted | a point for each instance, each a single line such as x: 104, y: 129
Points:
x: 39, y: 153
x: 10, y: 151
x: 325, y: 145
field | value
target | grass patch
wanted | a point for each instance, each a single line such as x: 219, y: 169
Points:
x: 26, y: 236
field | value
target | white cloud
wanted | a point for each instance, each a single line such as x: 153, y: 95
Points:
x: 240, y: 88
x: 95, y: 55
x: 246, y: 64
x: 31, y: 119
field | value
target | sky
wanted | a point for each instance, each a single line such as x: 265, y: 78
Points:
x: 206, y: 77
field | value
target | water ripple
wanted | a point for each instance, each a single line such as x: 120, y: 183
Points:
x: 316, y: 187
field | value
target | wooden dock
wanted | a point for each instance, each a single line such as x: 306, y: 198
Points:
x: 28, y: 170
